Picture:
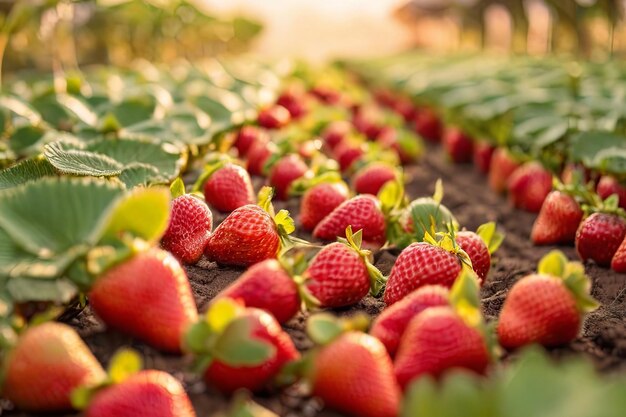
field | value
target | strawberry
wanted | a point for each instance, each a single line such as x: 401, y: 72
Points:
x: 428, y: 125
x: 389, y: 326
x: 294, y: 101
x: 362, y: 212
x: 274, y: 117
x: 546, y: 307
x: 618, y: 263
x: 352, y: 373
x: 250, y: 234
x: 405, y: 107
x: 479, y: 246
x: 529, y: 185
x: 557, y: 221
x: 247, y: 137
x: 326, y: 95
x: 599, y: 236
x: 442, y: 338
x: 258, y: 155
x: 189, y: 226
x: 501, y: 168
x: 483, y: 152
x: 319, y: 201
x: 371, y: 178
x: 609, y: 185
x: 226, y: 186
x: 46, y: 364
x: 146, y: 393
x: 336, y: 132
x: 269, y: 287
x: 458, y: 145
x: 284, y: 172
x: 154, y: 280
x: 341, y: 273
x: 424, y: 263
x: 347, y: 154
x: 240, y: 347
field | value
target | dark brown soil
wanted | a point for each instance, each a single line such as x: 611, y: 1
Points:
x: 603, y: 338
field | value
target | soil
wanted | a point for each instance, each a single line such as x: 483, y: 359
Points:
x: 602, y: 340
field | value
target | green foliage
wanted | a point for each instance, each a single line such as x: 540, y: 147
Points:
x: 532, y: 385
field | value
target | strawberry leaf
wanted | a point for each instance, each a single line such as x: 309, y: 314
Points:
x: 26, y: 171
x: 236, y: 346
x: 177, y: 188
x: 221, y: 313
x: 265, y: 200
x: 492, y: 238
x: 553, y: 263
x: 465, y: 297
x: 580, y: 286
x: 438, y: 194
x: 391, y: 196
x: 284, y: 222
x: 125, y: 362
x: 323, y: 328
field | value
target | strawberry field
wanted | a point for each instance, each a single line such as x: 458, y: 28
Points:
x: 413, y: 235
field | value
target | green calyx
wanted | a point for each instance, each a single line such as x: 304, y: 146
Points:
x: 447, y: 242
x: 125, y: 363
x: 556, y: 264
x: 393, y: 201
x: 489, y: 234
x: 209, y: 169
x: 323, y: 328
x: 243, y: 406
x: 354, y: 241
x: 225, y: 334
x: 283, y: 221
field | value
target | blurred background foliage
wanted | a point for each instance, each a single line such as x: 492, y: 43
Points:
x: 63, y: 34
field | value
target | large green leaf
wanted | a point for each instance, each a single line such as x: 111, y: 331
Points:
x: 49, y: 223
x: 28, y: 170
x: 600, y: 150
x: 72, y: 160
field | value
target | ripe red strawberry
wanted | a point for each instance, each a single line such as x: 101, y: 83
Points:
x: 295, y: 102
x: 246, y: 346
x: 326, y: 94
x: 371, y: 178
x: 362, y: 212
x: 154, y: 280
x: 226, y: 186
x: 189, y: 227
x: 546, y: 307
x: 347, y: 154
x: 428, y: 125
x: 249, y: 234
x: 390, y: 325
x: 145, y: 394
x: 353, y: 374
x: 246, y: 137
x: 436, y: 340
x: 319, y: 201
x: 47, y: 363
x: 269, y: 287
x: 336, y: 132
x: 273, y: 117
x: 529, y: 185
x: 418, y: 265
x: 599, y: 236
x: 609, y: 185
x: 502, y: 166
x: 341, y: 273
x: 458, y: 145
x: 477, y: 250
x: 286, y: 170
x: 258, y: 156
x: 557, y: 221
x: 483, y: 152
x: 618, y: 263
x: 405, y: 107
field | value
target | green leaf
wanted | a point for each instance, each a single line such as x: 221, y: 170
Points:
x: 390, y: 196
x: 465, y: 297
x: 25, y: 138
x: 125, y: 363
x: 237, y: 347
x: 438, y: 195
x: 26, y: 171
x: 48, y: 234
x: 177, y: 188
x: 141, y: 175
x: 553, y: 264
x: 70, y: 160
x: 32, y: 290
x: 144, y: 213
x: 323, y: 328
x: 284, y: 222
x: 221, y: 313
x: 132, y: 110
x: 492, y: 238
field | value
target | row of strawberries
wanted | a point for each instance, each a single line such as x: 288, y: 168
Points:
x: 432, y: 323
